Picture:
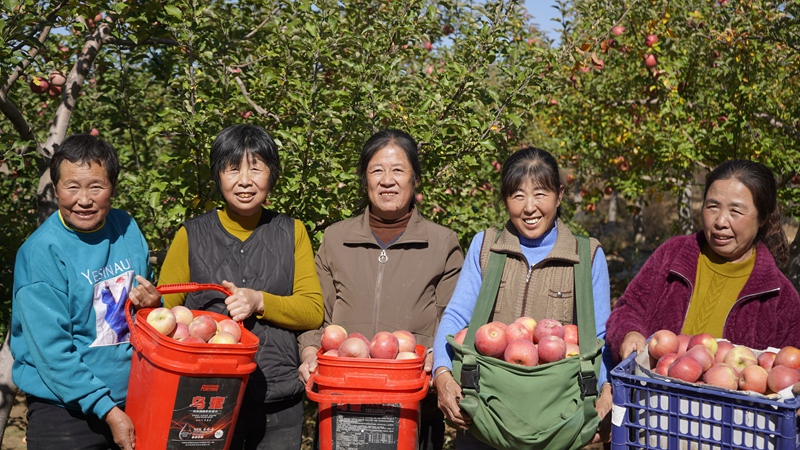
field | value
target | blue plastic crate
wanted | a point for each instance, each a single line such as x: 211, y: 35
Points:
x: 652, y: 413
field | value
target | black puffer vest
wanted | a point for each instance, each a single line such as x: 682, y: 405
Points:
x: 264, y: 262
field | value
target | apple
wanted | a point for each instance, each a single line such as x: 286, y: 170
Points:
x: 650, y: 40
x: 406, y: 355
x: 683, y: 343
x: 180, y: 332
x: 551, y: 349
x: 459, y: 337
x: 547, y: 327
x: 332, y: 337
x: 664, y: 362
x: 686, y: 368
x: 521, y: 352
x: 571, y: 333
x: 723, y: 347
x: 701, y: 354
x: 529, y: 322
x: 661, y: 343
x: 354, y: 347
x: 518, y: 330
x: 740, y: 357
x: 230, y: 326
x: 573, y: 349
x: 788, y: 356
x: 94, y: 132
x: 617, y: 30
x: 360, y: 336
x: 57, y: 78
x: 490, y: 340
x: 650, y: 60
x: 428, y: 46
x: 499, y: 324
x: 182, y: 314
x: 407, y: 340
x: 754, y: 378
x: 781, y: 377
x: 767, y: 359
x: 332, y: 352
x: 723, y: 376
x: 704, y: 339
x: 54, y: 91
x: 193, y: 340
x: 39, y: 85
x: 223, y: 337
x: 203, y: 327
x: 162, y: 320
x: 384, y: 345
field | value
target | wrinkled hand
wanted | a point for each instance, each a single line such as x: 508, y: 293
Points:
x: 145, y: 294
x: 633, y: 342
x: 603, y: 407
x: 449, y: 394
x: 308, y: 363
x: 244, y: 302
x: 121, y: 428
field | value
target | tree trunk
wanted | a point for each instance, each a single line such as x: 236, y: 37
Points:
x: 638, y: 223
x: 612, y: 208
x: 685, y: 223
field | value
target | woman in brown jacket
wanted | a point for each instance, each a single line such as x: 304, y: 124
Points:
x: 389, y: 268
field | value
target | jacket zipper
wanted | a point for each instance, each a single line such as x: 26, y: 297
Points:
x: 382, y: 259
x: 525, y: 293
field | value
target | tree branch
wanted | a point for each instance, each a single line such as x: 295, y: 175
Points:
x: 255, y: 105
x: 785, y: 127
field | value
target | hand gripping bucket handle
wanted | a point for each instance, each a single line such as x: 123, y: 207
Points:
x: 176, y: 288
x: 418, y: 387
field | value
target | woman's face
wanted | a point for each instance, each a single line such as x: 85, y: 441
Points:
x: 730, y: 220
x: 533, y: 209
x: 84, y: 194
x: 390, y: 183
x: 245, y: 188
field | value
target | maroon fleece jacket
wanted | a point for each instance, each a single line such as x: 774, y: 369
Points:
x: 766, y: 314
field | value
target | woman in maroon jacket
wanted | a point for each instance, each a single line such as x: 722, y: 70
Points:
x: 724, y: 279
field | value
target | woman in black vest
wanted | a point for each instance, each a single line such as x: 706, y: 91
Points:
x: 266, y: 260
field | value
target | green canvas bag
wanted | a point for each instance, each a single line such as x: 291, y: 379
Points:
x: 551, y: 406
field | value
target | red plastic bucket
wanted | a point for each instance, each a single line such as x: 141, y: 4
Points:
x: 185, y: 396
x: 365, y: 402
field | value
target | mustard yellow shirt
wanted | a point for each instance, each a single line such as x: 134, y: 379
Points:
x: 303, y: 310
x: 716, y: 288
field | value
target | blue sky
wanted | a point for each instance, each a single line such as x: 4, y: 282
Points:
x: 543, y: 11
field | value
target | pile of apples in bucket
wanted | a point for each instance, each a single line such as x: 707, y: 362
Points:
x: 701, y: 358
x: 400, y: 344
x: 180, y: 324
x: 525, y: 342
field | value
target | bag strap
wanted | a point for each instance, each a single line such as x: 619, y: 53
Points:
x: 487, y: 294
x: 587, y: 329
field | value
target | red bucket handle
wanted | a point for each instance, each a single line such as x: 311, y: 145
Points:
x: 371, y: 398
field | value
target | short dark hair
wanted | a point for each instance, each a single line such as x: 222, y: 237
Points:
x: 760, y: 181
x: 379, y: 141
x: 236, y: 141
x: 530, y: 164
x: 85, y: 149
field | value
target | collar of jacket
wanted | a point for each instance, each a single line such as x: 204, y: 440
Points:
x: 565, y: 248
x: 415, y: 232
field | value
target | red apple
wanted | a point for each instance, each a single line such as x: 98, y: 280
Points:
x: 230, y: 326
x: 754, y: 378
x: 529, y: 323
x: 650, y: 40
x: 723, y: 347
x: 781, y: 377
x: 490, y: 340
x: 686, y: 368
x: 722, y: 375
x: 517, y: 330
x: 39, y: 85
x: 354, y: 347
x: 571, y: 333
x: 788, y: 356
x: 704, y: 339
x: 701, y: 354
x: 360, y: 336
x: 54, y: 91
x: 407, y: 340
x: 661, y: 343
x: 573, y: 349
x: 193, y: 340
x: 384, y: 345
x: 617, y: 30
x: 162, y: 320
x: 499, y: 324
x: 767, y: 360
x: 459, y: 337
x: 94, y: 132
x: 180, y: 332
x: 740, y: 357
x: 522, y: 352
x: 223, y: 337
x: 203, y: 327
x: 664, y: 362
x: 182, y: 314
x: 547, y: 327
x: 332, y: 337
x: 406, y: 355
x: 650, y: 60
x: 551, y: 349
x: 332, y: 352
x: 57, y: 78
x: 683, y: 343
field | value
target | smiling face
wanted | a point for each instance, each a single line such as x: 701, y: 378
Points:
x: 245, y: 188
x: 84, y: 194
x: 730, y: 219
x: 533, y: 209
x: 390, y: 183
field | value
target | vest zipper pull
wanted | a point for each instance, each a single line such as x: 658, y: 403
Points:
x: 528, y: 277
x: 382, y: 258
